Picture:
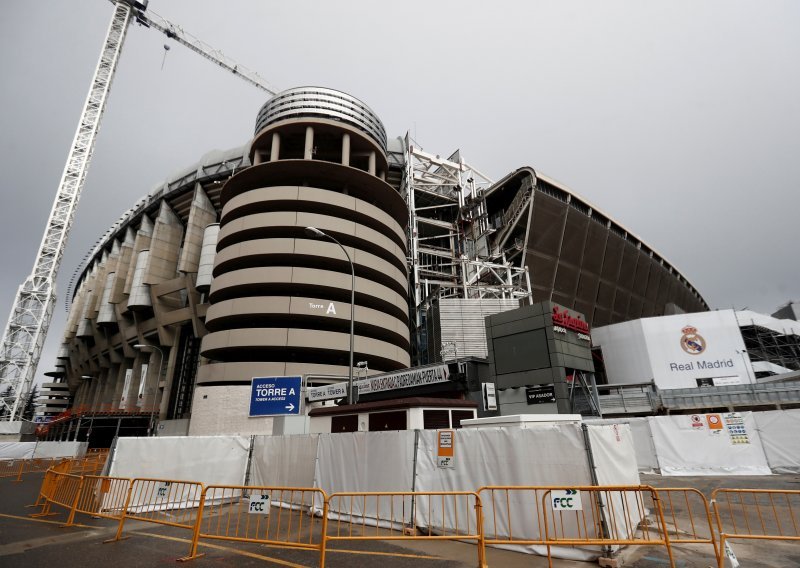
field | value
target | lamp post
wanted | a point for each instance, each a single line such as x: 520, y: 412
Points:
x: 317, y: 234
x: 156, y: 394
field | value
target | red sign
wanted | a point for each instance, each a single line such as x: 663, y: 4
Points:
x: 564, y: 319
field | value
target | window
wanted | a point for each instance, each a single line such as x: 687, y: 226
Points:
x: 459, y: 415
x: 435, y: 419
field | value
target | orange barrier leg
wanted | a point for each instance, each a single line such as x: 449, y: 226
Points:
x: 196, y: 532
x: 71, y: 518
x: 118, y: 536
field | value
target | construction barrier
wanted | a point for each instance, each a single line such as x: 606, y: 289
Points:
x: 100, y: 497
x: 364, y: 516
x: 58, y: 489
x: 168, y: 502
x: 580, y: 518
x: 17, y: 468
x: 89, y: 465
x: 276, y: 516
x: 759, y: 514
x: 572, y: 522
x: 48, y: 482
x: 10, y: 468
x: 607, y: 516
x: 688, y: 517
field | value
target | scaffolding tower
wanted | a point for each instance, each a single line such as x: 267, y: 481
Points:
x: 458, y: 247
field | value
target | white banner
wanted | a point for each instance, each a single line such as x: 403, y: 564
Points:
x: 708, y: 444
x: 125, y: 387
x: 142, y: 384
x: 405, y: 379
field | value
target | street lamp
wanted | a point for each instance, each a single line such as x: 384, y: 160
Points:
x: 363, y: 366
x: 157, y: 393
x: 315, y: 233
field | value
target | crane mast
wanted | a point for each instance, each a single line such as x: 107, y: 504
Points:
x: 33, y: 306
x: 32, y: 310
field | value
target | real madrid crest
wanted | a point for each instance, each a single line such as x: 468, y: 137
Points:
x: 691, y: 341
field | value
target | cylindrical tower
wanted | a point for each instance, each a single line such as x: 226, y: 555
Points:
x: 280, y: 300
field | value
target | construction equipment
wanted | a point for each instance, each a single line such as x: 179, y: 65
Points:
x: 32, y: 310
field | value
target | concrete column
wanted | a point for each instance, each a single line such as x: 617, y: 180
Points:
x: 207, y: 253
x: 275, y: 152
x: 345, y: 149
x: 257, y: 157
x: 371, y: 168
x: 201, y: 214
x: 382, y: 175
x: 308, y: 154
x: 162, y: 262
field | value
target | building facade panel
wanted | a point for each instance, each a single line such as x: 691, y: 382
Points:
x: 213, y: 279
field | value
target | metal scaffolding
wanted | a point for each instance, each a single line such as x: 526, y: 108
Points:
x: 457, y: 245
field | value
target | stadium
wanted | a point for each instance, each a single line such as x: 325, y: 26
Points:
x: 244, y: 264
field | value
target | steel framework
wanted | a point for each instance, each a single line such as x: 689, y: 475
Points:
x: 32, y: 310
x: 448, y: 227
x: 33, y: 306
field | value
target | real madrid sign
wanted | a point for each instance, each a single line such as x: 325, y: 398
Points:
x: 695, y: 344
x: 691, y: 341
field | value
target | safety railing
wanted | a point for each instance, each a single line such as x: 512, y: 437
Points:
x: 688, y: 517
x: 596, y: 519
x: 19, y: 467
x: 585, y: 517
x: 168, y: 502
x: 757, y: 514
x: 49, y: 481
x: 430, y: 515
x: 59, y: 489
x: 607, y: 516
x: 100, y: 497
x: 91, y: 464
x: 273, y: 516
x: 10, y: 468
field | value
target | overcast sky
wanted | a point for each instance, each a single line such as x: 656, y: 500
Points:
x: 679, y: 119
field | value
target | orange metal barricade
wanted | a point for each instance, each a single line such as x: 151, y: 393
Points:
x: 583, y: 516
x: 170, y: 502
x: 60, y: 489
x: 100, y: 497
x: 428, y: 515
x: 91, y: 464
x: 33, y: 465
x: 10, y: 468
x: 609, y: 516
x: 688, y: 517
x: 758, y: 514
x: 277, y: 516
x: 49, y: 481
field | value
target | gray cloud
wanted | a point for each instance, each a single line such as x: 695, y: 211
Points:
x: 679, y: 119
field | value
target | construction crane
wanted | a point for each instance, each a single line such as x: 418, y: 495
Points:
x: 32, y: 310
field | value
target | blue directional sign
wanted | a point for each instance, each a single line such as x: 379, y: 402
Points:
x: 270, y: 396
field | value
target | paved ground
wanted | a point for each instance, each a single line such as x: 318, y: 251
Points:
x: 27, y: 542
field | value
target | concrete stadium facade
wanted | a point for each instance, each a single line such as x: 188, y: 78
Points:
x: 212, y: 279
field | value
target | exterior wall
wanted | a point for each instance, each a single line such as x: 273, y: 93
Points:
x: 456, y: 326
x: 256, y: 296
x: 225, y: 409
x: 651, y: 350
x: 584, y: 261
x: 280, y: 298
x: 525, y: 351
